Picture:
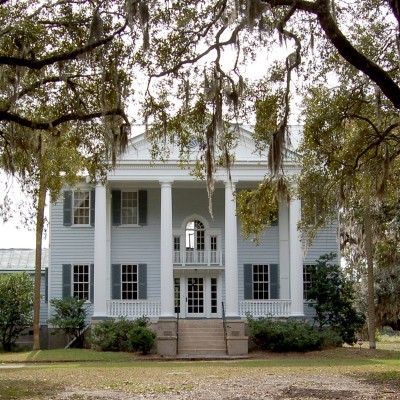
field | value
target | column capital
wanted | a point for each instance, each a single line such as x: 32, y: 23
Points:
x: 232, y: 182
x: 166, y: 182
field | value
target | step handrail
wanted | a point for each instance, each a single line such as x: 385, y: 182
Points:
x: 177, y: 332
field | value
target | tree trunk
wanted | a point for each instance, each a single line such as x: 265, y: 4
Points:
x: 41, y: 204
x: 370, y: 272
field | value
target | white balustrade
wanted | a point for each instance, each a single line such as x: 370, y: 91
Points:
x: 197, y: 257
x: 133, y: 308
x: 265, y: 308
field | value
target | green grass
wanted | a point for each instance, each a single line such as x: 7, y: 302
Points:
x: 71, y: 355
x: 24, y: 389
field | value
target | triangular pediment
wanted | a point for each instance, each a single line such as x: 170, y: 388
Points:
x: 139, y: 149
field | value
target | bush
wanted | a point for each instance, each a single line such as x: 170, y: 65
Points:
x: 123, y: 335
x: 289, y: 335
x: 141, y: 338
x: 333, y: 296
x: 16, y: 304
x: 111, y: 335
x: 70, y: 317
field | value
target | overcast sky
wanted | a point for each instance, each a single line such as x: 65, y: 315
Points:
x: 11, y: 237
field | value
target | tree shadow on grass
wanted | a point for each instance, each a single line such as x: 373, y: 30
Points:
x: 14, y: 389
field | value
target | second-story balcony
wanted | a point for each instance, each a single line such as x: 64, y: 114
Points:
x: 197, y: 257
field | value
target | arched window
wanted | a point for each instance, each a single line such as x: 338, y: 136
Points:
x: 195, y: 235
x: 195, y: 242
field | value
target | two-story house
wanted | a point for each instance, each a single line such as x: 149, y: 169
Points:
x: 146, y: 244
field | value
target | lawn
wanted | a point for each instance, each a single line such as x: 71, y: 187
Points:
x: 83, y: 374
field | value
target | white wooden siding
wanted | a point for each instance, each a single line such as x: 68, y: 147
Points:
x: 141, y: 245
x: 325, y: 242
x: 69, y: 245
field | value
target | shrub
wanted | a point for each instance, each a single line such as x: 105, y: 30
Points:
x: 70, y: 317
x: 141, y: 338
x: 289, y: 335
x: 16, y: 304
x: 334, y: 297
x: 111, y: 335
x: 123, y: 335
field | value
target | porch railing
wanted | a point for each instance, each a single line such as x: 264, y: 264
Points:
x: 197, y: 257
x: 265, y: 308
x: 133, y: 308
x: 152, y: 309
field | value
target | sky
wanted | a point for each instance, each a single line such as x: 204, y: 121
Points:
x: 12, y: 233
x: 12, y: 237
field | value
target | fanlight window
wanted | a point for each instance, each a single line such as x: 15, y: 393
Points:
x: 195, y: 235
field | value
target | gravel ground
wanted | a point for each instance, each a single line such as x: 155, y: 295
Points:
x: 208, y: 380
x: 274, y: 387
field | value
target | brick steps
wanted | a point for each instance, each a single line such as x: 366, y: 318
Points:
x: 201, y: 337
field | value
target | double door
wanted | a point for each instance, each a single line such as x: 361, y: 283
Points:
x: 197, y: 295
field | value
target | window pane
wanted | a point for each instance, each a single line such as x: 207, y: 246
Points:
x: 129, y: 208
x: 81, y: 281
x: 129, y: 281
x: 82, y: 208
x: 260, y: 282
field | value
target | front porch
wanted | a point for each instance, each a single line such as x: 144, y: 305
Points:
x: 132, y: 309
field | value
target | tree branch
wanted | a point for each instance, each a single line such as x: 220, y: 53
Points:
x: 335, y: 36
x: 48, y: 126
x: 36, y: 85
x: 39, y: 64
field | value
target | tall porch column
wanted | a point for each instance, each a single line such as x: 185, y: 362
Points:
x: 101, y: 288
x: 284, y: 257
x: 296, y: 259
x: 231, y: 257
x: 167, y: 271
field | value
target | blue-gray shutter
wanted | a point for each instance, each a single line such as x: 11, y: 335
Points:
x: 248, y: 281
x: 67, y: 215
x: 142, y: 281
x: 92, y: 206
x: 46, y: 282
x: 116, y: 207
x: 91, y: 283
x: 116, y: 281
x: 142, y: 197
x: 66, y: 280
x: 274, y: 281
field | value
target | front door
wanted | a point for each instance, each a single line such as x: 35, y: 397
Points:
x: 197, y: 295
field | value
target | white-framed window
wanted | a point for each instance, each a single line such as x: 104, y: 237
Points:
x: 307, y: 280
x: 129, y: 208
x: 261, y: 281
x: 129, y: 282
x: 81, y: 207
x: 81, y: 281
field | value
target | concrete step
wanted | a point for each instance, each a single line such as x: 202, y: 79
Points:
x: 201, y: 337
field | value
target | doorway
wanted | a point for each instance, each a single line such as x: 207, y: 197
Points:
x: 198, y: 295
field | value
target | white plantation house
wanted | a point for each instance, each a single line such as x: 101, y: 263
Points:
x: 145, y: 244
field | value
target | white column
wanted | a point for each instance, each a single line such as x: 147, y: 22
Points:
x: 284, y: 259
x: 296, y: 259
x: 101, y: 289
x: 167, y: 271
x: 231, y: 258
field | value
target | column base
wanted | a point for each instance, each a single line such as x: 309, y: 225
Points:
x: 167, y: 344
x: 237, y: 340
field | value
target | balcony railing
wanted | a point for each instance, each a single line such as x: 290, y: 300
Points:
x: 133, y: 308
x: 265, y: 308
x: 197, y: 257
